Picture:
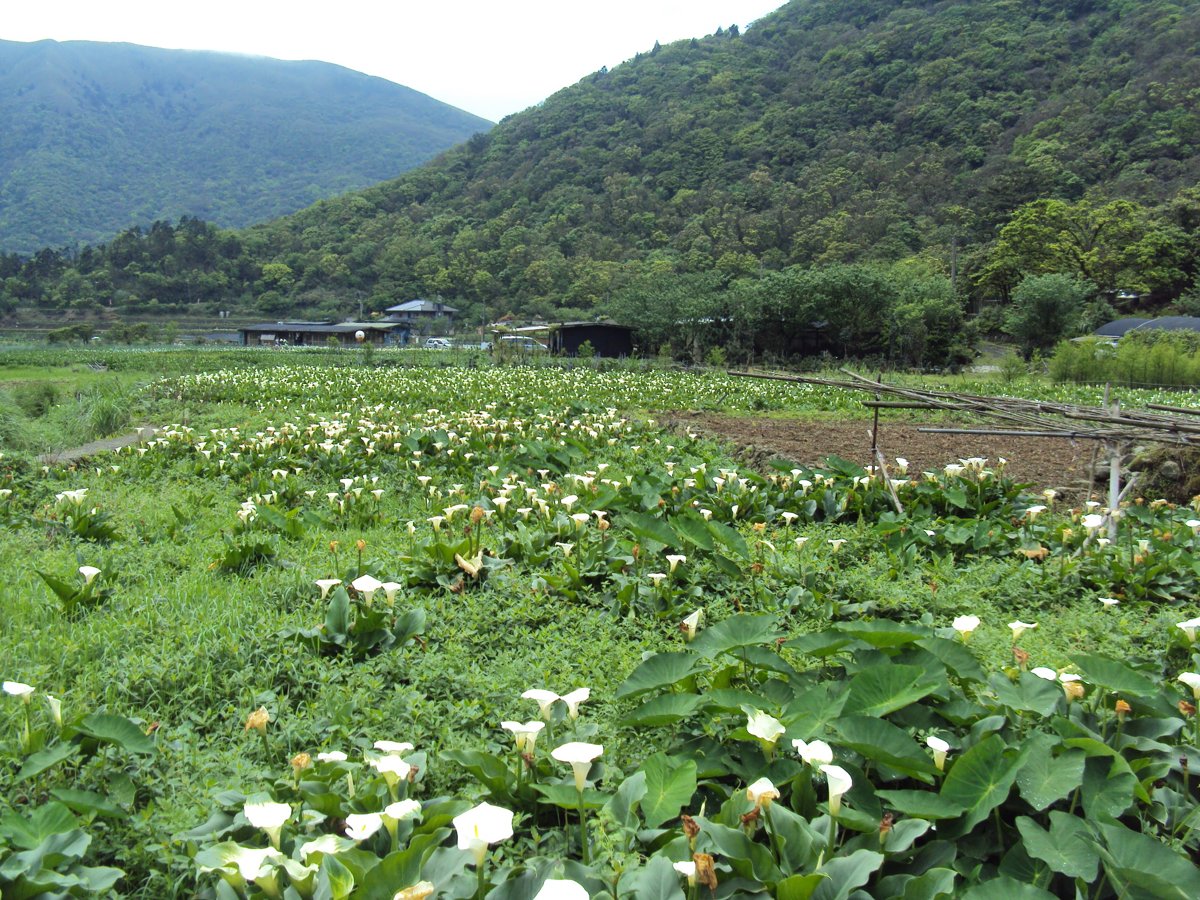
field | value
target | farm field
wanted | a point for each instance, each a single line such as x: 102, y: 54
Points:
x: 291, y: 644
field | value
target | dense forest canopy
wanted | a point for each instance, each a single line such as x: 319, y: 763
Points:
x: 97, y: 137
x: 935, y: 153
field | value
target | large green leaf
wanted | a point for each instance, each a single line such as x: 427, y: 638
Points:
x: 980, y: 780
x: 670, y: 784
x: 879, y: 690
x: 657, y: 880
x: 491, y: 771
x: 652, y: 528
x: 117, y: 730
x: 1139, y: 866
x: 847, y: 874
x: 1005, y: 888
x: 88, y: 802
x: 1045, y: 778
x: 337, y: 616
x: 799, y: 887
x: 884, y: 633
x: 730, y: 538
x: 664, y: 710
x: 29, y: 831
x: 955, y: 657
x: 660, y: 671
x: 37, y: 763
x: 694, y: 530
x: 933, y: 885
x: 1108, y: 787
x: 922, y: 804
x: 882, y: 742
x: 1068, y: 847
x: 1028, y: 694
x: 1115, y: 675
x: 742, y: 630
x: 624, y: 803
x: 811, y: 711
x: 334, y: 880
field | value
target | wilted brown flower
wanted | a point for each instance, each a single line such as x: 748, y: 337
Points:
x: 333, y: 545
x: 1187, y: 708
x: 706, y: 872
x: 476, y: 514
x: 750, y: 819
x: 690, y: 827
x: 1021, y: 656
x: 258, y: 720
x: 1038, y: 554
x: 885, y: 826
x: 300, y: 762
x: 1123, y: 709
x: 360, y: 545
x: 1074, y: 690
x: 418, y: 891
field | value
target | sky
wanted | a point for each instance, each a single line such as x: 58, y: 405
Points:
x: 489, y: 57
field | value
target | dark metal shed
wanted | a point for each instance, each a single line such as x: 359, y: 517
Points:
x: 606, y: 338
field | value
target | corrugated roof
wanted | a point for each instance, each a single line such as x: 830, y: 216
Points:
x: 1119, y: 327
x: 323, y: 327
x: 1122, y: 327
x: 430, y: 306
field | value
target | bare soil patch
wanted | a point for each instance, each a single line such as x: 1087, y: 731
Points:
x: 1042, y: 462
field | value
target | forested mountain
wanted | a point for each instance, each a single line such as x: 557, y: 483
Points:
x: 891, y: 159
x: 97, y: 137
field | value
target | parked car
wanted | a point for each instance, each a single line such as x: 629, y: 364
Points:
x: 437, y: 343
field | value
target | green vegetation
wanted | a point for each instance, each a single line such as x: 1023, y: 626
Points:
x: 1140, y: 358
x: 934, y: 154
x: 286, y: 652
x: 99, y: 137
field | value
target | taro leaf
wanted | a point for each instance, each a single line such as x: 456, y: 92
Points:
x: 490, y: 770
x: 565, y: 796
x: 799, y: 887
x: 1108, y: 788
x: 1115, y: 675
x: 1029, y: 694
x: 762, y: 658
x: 799, y: 846
x: 747, y: 858
x: 651, y: 528
x: 523, y: 887
x: 933, y: 884
x: 883, y: 689
x: 693, y: 529
x: 882, y: 742
x: 400, y: 867
x: 726, y: 565
x: 657, y: 880
x: 624, y: 802
x: 409, y: 625
x: 666, y: 709
x: 1005, y: 888
x: 337, y: 616
x: 660, y: 671
x: 334, y: 880
x: 820, y: 644
x: 37, y: 763
x: 921, y: 804
x: 669, y: 785
x: 813, y: 709
x: 1139, y: 866
x: 884, y: 633
x: 742, y: 630
x: 730, y: 538
x: 846, y: 873
x: 1068, y: 847
x: 981, y: 779
x: 47, y: 820
x: 87, y: 802
x: 1045, y: 778
x: 955, y: 657
x: 904, y: 834
x: 117, y: 730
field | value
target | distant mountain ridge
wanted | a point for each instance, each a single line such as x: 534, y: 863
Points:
x: 97, y: 137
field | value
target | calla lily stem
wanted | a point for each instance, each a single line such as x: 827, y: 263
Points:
x: 583, y: 838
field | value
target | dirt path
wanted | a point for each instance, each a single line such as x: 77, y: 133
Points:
x: 114, y: 443
x: 1042, y: 462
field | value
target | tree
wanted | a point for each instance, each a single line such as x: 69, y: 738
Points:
x: 1045, y: 309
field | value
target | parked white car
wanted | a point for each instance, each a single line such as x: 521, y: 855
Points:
x: 436, y: 343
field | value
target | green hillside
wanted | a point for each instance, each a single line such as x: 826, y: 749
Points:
x: 97, y: 137
x: 888, y: 160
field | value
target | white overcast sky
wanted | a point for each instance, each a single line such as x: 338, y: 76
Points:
x: 489, y: 57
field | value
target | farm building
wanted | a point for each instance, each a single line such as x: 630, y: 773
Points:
x: 606, y: 338
x: 1117, y: 329
x: 414, y: 312
x: 317, y: 334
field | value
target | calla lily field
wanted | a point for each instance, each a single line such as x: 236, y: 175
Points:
x: 344, y: 627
